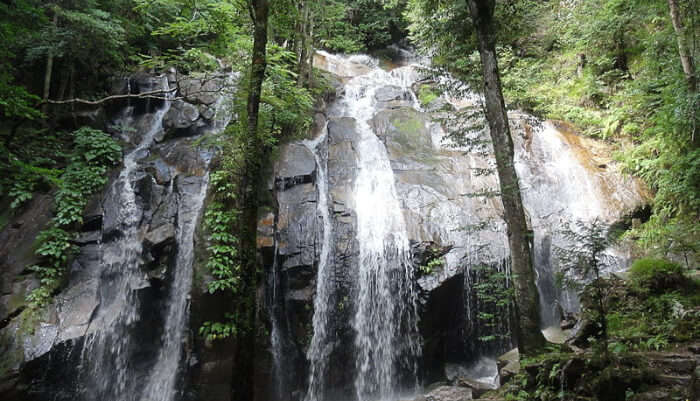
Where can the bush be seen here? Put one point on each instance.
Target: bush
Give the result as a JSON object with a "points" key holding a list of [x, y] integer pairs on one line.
{"points": [[657, 274]]}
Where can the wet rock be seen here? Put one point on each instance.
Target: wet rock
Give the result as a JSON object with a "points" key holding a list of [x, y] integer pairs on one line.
{"points": [[160, 171], [41, 341], [389, 92], [296, 166], [266, 231], [478, 388], [180, 115], [206, 112], [184, 157], [447, 393], [75, 307], [88, 237], [181, 120], [203, 90], [439, 104], [160, 235], [508, 365]]}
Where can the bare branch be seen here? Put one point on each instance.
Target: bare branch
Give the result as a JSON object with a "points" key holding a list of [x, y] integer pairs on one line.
{"points": [[143, 95]]}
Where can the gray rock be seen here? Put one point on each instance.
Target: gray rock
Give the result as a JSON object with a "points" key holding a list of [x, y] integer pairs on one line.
{"points": [[388, 93], [206, 112], [180, 115], [41, 342], [295, 166], [75, 307], [448, 393], [508, 365], [160, 235], [203, 90]]}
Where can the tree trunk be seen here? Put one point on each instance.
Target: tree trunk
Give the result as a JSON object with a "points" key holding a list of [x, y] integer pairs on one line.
{"points": [[528, 332], [253, 156], [49, 71], [687, 61], [303, 33]]}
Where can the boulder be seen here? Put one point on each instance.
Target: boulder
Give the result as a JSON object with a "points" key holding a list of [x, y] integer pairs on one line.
{"points": [[447, 393], [478, 388], [161, 235], [204, 90], [508, 365], [180, 115]]}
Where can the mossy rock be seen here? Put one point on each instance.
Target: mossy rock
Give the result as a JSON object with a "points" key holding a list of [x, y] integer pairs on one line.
{"points": [[657, 275]]}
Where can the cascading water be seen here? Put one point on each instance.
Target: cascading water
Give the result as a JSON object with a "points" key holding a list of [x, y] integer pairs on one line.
{"points": [[386, 304], [387, 344], [108, 352], [320, 347], [161, 384], [393, 186], [138, 350]]}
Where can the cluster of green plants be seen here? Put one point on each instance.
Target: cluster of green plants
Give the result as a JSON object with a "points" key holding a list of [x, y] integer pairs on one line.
{"points": [[426, 94], [559, 374], [94, 153], [432, 264], [657, 307], [495, 295]]}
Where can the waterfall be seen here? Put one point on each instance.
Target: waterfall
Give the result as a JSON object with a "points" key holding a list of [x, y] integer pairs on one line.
{"points": [[107, 353], [135, 346], [161, 384], [320, 347], [386, 299], [387, 343]]}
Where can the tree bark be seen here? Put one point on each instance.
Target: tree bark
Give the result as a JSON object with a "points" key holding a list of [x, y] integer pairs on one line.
{"points": [[528, 332], [243, 387], [687, 61], [49, 71]]}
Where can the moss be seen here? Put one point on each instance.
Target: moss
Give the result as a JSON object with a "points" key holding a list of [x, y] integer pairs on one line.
{"points": [[410, 130], [12, 355], [426, 94], [657, 274]]}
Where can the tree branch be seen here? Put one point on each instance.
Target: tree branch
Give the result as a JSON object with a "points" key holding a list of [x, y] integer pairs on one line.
{"points": [[143, 95]]}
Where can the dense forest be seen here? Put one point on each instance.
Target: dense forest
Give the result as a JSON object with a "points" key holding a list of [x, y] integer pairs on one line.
{"points": [[75, 75]]}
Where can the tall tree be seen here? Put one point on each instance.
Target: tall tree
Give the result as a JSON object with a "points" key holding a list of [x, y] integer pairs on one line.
{"points": [[259, 10], [527, 299], [253, 146], [686, 55]]}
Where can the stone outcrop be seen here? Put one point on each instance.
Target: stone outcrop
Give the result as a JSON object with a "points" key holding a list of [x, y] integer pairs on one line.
{"points": [[47, 356], [446, 196]]}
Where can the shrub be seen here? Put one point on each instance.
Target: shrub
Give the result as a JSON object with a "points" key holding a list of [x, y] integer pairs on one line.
{"points": [[657, 274]]}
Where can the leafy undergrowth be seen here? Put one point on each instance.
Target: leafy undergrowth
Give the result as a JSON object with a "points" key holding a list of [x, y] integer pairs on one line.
{"points": [[653, 316]]}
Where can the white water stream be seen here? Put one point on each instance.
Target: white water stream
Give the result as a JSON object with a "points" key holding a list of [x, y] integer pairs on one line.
{"points": [[387, 343]]}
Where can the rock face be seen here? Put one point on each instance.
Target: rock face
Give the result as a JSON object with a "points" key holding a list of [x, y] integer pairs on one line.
{"points": [[118, 330], [451, 219], [447, 393]]}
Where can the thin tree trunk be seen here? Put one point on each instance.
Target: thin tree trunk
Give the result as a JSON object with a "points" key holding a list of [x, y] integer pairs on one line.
{"points": [[304, 38], [49, 71], [253, 156], [528, 332], [687, 61]]}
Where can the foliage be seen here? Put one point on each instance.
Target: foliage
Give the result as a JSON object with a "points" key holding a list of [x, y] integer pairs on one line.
{"points": [[218, 330], [94, 152], [495, 295], [426, 94], [431, 265], [656, 274], [586, 258]]}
